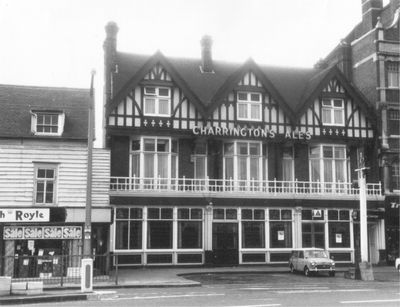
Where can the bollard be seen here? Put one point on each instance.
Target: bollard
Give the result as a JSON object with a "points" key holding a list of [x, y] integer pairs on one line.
{"points": [[87, 275]]}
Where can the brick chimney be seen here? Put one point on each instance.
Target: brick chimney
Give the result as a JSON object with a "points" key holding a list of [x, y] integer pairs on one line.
{"points": [[110, 49], [206, 56], [371, 10]]}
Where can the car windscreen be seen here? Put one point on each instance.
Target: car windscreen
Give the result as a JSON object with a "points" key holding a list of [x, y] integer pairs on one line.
{"points": [[316, 254]]}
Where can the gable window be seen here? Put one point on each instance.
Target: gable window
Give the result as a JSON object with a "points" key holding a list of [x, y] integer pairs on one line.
{"points": [[328, 164], [242, 163], [333, 112], [248, 106], [45, 184], [154, 159], [393, 74], [157, 101], [47, 123]]}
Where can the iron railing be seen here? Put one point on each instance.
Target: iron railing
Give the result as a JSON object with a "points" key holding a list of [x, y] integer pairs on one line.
{"points": [[53, 270], [270, 187]]}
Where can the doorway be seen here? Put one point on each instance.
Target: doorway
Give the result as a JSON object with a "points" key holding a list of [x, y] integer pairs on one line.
{"points": [[225, 244]]}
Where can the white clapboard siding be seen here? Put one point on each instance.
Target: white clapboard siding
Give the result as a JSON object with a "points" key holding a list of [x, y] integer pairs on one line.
{"points": [[17, 164]]}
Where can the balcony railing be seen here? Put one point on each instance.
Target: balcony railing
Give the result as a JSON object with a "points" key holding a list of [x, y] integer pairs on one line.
{"points": [[245, 187]]}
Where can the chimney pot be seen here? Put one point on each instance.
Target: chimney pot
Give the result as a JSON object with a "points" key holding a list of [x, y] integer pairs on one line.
{"points": [[206, 54]]}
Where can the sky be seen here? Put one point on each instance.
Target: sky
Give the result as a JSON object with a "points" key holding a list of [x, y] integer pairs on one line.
{"points": [[58, 43]]}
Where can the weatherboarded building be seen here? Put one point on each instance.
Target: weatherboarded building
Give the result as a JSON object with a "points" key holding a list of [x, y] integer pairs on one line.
{"points": [[43, 167], [221, 163]]}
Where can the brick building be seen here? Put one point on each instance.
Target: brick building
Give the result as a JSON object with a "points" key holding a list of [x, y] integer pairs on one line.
{"points": [[222, 163], [369, 56]]}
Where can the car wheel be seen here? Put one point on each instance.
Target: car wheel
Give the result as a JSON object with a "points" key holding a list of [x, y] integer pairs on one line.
{"points": [[291, 268], [398, 268], [307, 272], [332, 274]]}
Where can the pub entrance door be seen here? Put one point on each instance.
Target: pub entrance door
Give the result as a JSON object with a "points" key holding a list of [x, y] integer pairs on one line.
{"points": [[225, 244]]}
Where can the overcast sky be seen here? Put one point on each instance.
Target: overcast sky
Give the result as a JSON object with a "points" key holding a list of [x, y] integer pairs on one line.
{"points": [[58, 43]]}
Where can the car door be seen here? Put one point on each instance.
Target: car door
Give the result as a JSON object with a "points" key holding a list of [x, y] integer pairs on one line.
{"points": [[300, 261]]}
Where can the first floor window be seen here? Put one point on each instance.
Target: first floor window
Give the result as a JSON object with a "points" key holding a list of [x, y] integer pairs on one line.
{"points": [[328, 163], [154, 158], [396, 175], [393, 74], [128, 228], [287, 164], [159, 228], [45, 182], [243, 162], [200, 161], [190, 230]]}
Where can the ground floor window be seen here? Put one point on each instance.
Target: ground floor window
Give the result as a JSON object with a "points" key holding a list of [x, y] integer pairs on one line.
{"points": [[280, 228], [339, 234], [253, 235], [190, 230], [128, 228]]}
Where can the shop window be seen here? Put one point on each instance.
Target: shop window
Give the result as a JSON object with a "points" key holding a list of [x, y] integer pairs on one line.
{"points": [[393, 74], [249, 106], [225, 214], [190, 228], [339, 228], [159, 228], [253, 228], [312, 214], [243, 163], [47, 123], [332, 112], [328, 165], [128, 228], [157, 101], [154, 158], [45, 183], [280, 228]]}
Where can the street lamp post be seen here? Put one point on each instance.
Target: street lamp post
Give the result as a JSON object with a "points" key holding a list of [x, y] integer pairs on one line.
{"points": [[87, 261], [364, 267]]}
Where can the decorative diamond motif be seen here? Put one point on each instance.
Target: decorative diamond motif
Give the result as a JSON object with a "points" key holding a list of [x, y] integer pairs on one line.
{"points": [[145, 122], [160, 123], [168, 124], [153, 123]]}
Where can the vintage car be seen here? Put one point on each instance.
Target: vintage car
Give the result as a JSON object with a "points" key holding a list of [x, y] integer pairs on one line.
{"points": [[397, 264], [311, 260]]}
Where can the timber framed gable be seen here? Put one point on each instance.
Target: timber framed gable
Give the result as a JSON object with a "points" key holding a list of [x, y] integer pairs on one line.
{"points": [[334, 109], [155, 97]]}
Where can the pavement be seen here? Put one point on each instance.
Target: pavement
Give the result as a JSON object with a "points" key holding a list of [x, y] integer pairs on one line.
{"points": [[151, 277]]}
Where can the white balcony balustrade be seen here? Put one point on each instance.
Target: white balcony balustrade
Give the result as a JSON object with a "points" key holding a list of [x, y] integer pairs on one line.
{"points": [[239, 188]]}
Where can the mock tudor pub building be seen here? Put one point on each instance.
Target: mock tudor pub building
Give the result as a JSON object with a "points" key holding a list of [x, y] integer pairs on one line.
{"points": [[217, 163]]}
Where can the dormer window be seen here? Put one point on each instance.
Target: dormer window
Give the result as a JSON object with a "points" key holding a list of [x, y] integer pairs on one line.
{"points": [[157, 101], [47, 122], [248, 106], [333, 112]]}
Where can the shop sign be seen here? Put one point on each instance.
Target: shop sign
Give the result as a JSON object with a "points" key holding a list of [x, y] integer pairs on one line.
{"points": [[42, 232], [24, 215], [317, 213], [249, 132]]}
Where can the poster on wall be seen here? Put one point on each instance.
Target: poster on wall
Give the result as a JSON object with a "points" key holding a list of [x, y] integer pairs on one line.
{"points": [[281, 235], [42, 232], [338, 238]]}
